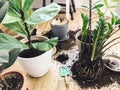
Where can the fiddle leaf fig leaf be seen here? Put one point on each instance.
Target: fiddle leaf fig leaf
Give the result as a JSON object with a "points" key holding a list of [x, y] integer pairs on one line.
{"points": [[14, 8], [9, 19], [4, 56], [18, 28], [43, 14], [12, 57], [46, 45], [3, 9], [8, 42], [26, 4]]}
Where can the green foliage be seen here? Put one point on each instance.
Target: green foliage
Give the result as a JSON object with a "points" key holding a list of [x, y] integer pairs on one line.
{"points": [[12, 57], [7, 58], [4, 57], [8, 42], [43, 14], [115, 0], [97, 6], [3, 9], [117, 22], [15, 22], [106, 3], [47, 44], [84, 27], [102, 31], [21, 19]]}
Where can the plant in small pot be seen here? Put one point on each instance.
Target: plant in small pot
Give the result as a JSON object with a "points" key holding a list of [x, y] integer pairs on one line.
{"points": [[59, 27], [36, 51], [92, 43]]}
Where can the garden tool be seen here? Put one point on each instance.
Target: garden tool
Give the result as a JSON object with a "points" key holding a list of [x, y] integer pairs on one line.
{"points": [[64, 72]]}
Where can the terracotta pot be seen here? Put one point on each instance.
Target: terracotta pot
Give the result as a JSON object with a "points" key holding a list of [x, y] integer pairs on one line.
{"points": [[24, 86], [39, 65]]}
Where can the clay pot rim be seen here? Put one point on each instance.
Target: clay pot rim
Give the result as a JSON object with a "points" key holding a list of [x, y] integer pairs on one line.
{"points": [[25, 86]]}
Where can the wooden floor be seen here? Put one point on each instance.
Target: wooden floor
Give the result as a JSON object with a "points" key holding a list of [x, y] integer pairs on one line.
{"points": [[52, 80]]}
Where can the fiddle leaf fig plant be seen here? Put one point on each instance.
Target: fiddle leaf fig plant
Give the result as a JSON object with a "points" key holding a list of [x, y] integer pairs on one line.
{"points": [[22, 19]]}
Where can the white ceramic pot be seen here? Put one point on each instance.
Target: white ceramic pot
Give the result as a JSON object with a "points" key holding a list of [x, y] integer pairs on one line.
{"points": [[39, 65]]}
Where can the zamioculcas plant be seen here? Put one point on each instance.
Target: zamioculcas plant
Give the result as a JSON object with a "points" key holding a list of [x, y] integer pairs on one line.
{"points": [[93, 44]]}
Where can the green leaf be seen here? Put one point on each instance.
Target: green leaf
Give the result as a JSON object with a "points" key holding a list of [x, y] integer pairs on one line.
{"points": [[27, 4], [43, 14], [9, 19], [17, 27], [8, 42], [106, 3], [46, 45], [4, 56], [115, 0], [117, 22], [12, 57], [3, 9], [113, 18], [85, 6], [14, 8], [85, 19], [98, 6], [53, 42]]}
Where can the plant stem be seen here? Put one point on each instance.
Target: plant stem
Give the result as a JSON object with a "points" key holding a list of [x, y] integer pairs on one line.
{"points": [[95, 45], [26, 28], [90, 18]]}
